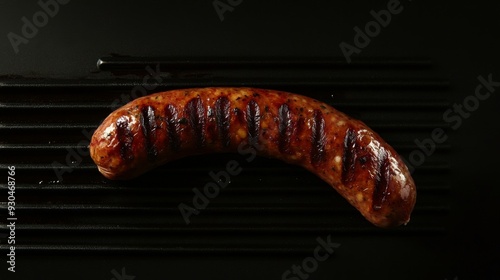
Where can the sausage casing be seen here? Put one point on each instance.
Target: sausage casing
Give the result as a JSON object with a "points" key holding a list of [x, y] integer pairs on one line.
{"points": [[342, 151]]}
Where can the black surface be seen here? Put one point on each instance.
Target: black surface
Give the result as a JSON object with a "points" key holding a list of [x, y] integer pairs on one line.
{"points": [[84, 227]]}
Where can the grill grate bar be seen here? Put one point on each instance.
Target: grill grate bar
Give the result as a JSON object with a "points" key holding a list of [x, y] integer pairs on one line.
{"points": [[412, 104], [24, 147], [227, 209], [223, 229], [170, 189], [93, 126], [285, 250], [121, 63], [43, 147], [27, 166], [52, 106], [351, 83], [438, 165], [48, 126]]}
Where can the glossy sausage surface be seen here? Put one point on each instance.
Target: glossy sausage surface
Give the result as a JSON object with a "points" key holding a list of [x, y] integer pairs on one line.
{"points": [[342, 151]]}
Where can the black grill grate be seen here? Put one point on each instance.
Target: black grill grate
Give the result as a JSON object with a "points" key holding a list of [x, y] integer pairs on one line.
{"points": [[270, 207]]}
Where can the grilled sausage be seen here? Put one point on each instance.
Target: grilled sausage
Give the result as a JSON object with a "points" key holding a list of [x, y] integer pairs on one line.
{"points": [[344, 152]]}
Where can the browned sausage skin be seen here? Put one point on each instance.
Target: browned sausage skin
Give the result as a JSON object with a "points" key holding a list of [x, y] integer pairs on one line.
{"points": [[344, 152]]}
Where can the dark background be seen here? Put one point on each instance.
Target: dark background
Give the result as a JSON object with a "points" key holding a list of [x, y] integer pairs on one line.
{"points": [[461, 40]]}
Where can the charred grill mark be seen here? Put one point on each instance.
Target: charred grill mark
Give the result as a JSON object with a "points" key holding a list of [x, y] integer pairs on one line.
{"points": [[318, 140], [173, 127], [125, 138], [196, 116], [285, 128], [382, 177], [222, 115], [253, 121], [349, 156], [148, 125]]}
